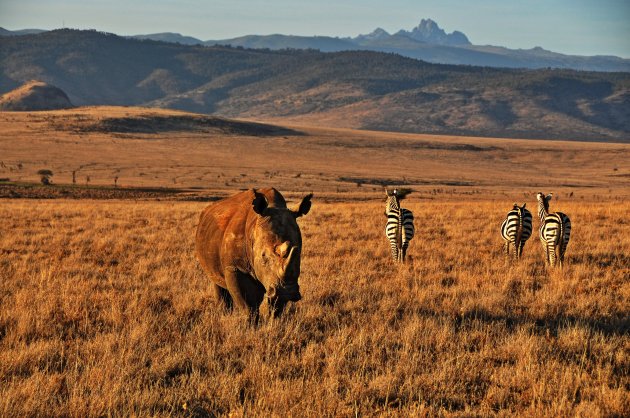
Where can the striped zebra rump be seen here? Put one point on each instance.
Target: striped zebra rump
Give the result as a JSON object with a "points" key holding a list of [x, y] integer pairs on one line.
{"points": [[391, 232], [516, 230], [407, 230], [555, 232], [399, 231], [399, 228]]}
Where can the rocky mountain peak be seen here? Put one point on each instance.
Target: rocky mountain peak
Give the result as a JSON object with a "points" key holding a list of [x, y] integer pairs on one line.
{"points": [[428, 31], [376, 35]]}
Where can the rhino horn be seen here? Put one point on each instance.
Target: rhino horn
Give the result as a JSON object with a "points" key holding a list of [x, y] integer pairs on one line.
{"points": [[290, 256]]}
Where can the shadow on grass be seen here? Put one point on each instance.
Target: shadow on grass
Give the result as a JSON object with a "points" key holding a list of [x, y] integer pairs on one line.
{"points": [[545, 325]]}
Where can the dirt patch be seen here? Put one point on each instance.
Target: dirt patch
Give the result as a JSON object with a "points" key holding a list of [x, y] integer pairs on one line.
{"points": [[156, 124], [34, 191], [404, 181], [417, 145]]}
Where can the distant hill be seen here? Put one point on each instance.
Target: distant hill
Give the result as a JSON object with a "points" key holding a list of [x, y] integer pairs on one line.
{"points": [[35, 95], [6, 32], [276, 42], [170, 37], [359, 89]]}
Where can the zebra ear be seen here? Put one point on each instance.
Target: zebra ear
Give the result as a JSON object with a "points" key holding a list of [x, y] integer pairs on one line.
{"points": [[524, 204], [549, 196]]}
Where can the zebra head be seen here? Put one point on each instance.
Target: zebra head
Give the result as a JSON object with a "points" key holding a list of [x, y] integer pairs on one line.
{"points": [[543, 203], [520, 209], [392, 200]]}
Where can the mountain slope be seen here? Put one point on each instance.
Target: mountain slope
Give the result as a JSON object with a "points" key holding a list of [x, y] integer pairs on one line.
{"points": [[361, 89]]}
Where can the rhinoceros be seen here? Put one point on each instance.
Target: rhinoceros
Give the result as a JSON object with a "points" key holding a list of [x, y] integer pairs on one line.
{"points": [[249, 244]]}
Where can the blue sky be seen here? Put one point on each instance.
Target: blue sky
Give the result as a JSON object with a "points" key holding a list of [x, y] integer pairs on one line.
{"points": [[582, 27]]}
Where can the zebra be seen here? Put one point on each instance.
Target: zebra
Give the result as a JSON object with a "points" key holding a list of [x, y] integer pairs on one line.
{"points": [[516, 230], [399, 229], [555, 230]]}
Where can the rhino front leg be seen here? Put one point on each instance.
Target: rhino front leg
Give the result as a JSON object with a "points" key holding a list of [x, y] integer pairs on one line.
{"points": [[232, 284], [222, 296]]}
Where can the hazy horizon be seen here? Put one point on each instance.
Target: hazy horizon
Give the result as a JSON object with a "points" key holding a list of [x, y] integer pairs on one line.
{"points": [[577, 27]]}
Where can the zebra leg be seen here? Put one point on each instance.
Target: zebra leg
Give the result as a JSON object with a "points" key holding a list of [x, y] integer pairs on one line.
{"points": [[562, 249], [394, 251], [404, 253], [506, 248], [552, 255], [546, 252], [515, 244]]}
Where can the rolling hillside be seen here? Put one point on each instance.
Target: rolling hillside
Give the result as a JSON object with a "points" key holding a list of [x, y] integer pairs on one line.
{"points": [[356, 89]]}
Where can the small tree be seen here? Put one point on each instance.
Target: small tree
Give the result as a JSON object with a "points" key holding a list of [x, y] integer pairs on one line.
{"points": [[45, 176]]}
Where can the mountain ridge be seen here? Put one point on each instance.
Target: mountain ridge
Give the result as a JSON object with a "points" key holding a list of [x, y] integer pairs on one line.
{"points": [[355, 89], [427, 42]]}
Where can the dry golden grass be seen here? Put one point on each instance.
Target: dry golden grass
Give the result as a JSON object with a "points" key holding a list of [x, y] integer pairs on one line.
{"points": [[105, 311]]}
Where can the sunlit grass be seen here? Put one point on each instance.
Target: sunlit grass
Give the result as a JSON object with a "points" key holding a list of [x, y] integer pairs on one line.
{"points": [[105, 311]]}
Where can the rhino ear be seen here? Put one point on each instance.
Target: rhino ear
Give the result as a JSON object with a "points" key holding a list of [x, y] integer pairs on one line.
{"points": [[305, 206], [259, 203]]}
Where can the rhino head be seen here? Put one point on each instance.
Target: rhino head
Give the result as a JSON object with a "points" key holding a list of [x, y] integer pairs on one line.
{"points": [[276, 249]]}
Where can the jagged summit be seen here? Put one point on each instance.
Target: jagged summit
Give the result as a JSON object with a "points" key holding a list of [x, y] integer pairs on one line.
{"points": [[376, 35], [428, 31]]}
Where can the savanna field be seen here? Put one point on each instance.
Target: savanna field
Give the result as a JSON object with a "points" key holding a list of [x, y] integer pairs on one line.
{"points": [[106, 312]]}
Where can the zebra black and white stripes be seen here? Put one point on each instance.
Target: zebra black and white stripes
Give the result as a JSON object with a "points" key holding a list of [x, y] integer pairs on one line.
{"points": [[399, 228], [555, 231], [516, 230]]}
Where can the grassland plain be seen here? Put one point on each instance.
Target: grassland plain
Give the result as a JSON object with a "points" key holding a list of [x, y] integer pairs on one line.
{"points": [[163, 148], [105, 312]]}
